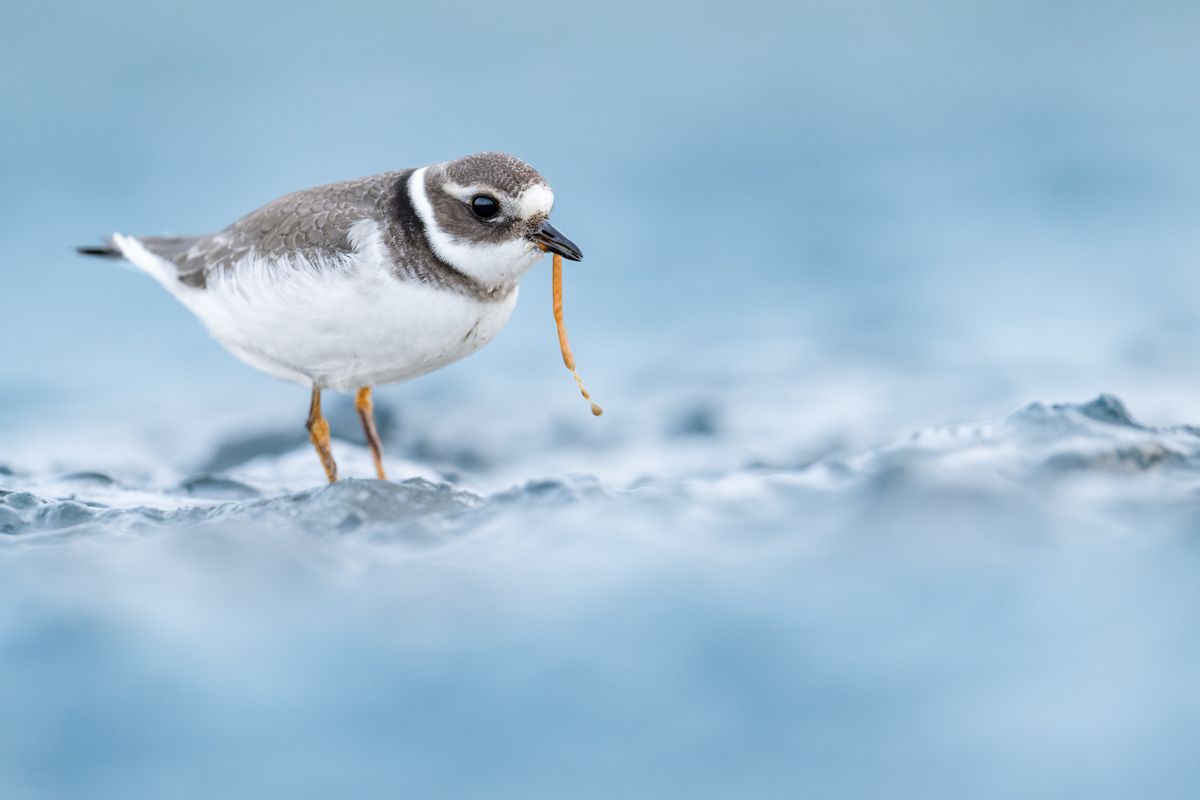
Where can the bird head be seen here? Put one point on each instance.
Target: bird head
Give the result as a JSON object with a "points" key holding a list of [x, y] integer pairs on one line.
{"points": [[488, 216]]}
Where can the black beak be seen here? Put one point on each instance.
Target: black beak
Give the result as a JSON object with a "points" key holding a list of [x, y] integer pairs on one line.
{"points": [[550, 239]]}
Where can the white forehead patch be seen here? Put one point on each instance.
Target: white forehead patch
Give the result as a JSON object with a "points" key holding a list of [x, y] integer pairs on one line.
{"points": [[537, 199]]}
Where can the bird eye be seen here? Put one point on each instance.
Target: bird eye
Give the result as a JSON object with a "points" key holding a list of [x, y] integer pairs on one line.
{"points": [[484, 207]]}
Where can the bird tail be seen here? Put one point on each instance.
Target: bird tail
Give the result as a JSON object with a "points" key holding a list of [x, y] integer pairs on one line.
{"points": [[156, 256], [106, 250]]}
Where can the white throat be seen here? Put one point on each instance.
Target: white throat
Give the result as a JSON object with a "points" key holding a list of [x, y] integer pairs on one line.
{"points": [[493, 265]]}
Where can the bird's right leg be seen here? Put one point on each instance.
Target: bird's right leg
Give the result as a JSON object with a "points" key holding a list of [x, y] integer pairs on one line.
{"points": [[318, 434], [366, 412]]}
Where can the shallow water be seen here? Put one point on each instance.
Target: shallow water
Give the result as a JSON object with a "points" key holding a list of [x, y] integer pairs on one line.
{"points": [[988, 609]]}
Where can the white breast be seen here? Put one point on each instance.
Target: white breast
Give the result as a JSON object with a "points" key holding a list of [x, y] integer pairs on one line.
{"points": [[338, 325]]}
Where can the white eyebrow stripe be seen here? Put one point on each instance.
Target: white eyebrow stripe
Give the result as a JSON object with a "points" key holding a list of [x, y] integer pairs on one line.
{"points": [[536, 200], [465, 193]]}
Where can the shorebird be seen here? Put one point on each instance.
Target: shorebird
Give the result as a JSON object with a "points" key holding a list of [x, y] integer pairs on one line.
{"points": [[365, 282]]}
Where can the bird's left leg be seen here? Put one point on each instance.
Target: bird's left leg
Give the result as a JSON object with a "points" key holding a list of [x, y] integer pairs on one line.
{"points": [[366, 412], [318, 434]]}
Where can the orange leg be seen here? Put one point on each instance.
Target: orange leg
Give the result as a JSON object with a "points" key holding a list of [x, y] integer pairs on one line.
{"points": [[366, 412], [318, 434]]}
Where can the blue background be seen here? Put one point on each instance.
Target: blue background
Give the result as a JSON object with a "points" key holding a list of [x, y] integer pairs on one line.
{"points": [[992, 187]]}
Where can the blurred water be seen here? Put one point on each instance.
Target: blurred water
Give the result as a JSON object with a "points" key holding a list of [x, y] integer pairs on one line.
{"points": [[817, 234]]}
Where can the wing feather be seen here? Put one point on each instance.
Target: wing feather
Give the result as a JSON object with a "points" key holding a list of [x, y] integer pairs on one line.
{"points": [[313, 225]]}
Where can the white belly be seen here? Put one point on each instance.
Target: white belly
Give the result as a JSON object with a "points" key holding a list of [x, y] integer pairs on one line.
{"points": [[346, 331], [339, 327]]}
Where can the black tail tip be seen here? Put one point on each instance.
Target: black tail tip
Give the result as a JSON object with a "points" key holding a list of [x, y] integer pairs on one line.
{"points": [[101, 250]]}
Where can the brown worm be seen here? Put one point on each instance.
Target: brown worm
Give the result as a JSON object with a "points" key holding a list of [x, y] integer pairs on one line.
{"points": [[563, 345]]}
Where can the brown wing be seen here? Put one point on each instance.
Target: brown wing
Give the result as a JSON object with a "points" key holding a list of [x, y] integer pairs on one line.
{"points": [[313, 223]]}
